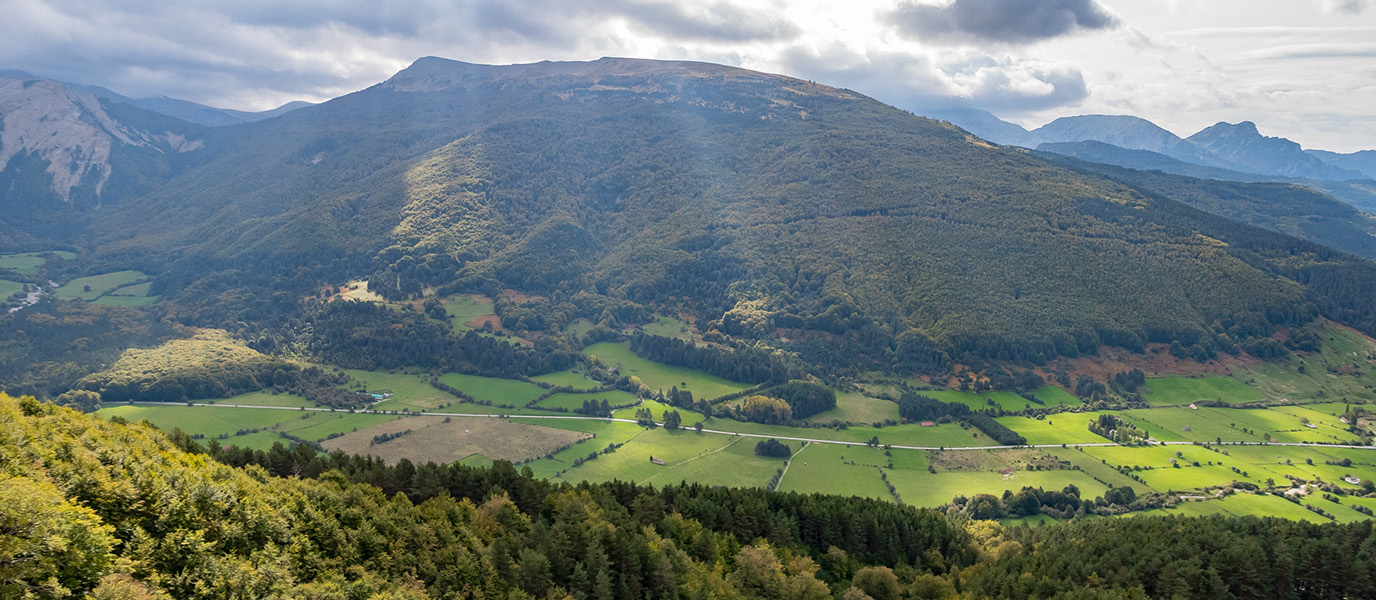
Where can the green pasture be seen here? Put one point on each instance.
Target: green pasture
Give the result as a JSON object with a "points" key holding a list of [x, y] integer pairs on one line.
{"points": [[824, 469], [733, 465], [1101, 472], [575, 401], [949, 435], [579, 328], [264, 399], [1049, 395], [631, 462], [498, 391], [99, 284], [604, 432], [209, 421], [1339, 370], [263, 440], [1177, 391], [9, 288], [669, 327], [921, 488], [321, 424], [465, 308], [1205, 424], [572, 378], [1063, 428], [855, 407], [409, 391], [663, 377], [27, 263], [476, 460], [658, 409]]}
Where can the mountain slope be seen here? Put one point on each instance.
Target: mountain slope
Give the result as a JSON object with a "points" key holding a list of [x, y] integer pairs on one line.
{"points": [[1363, 161], [1243, 145], [1287, 208], [63, 150], [761, 202], [1133, 133]]}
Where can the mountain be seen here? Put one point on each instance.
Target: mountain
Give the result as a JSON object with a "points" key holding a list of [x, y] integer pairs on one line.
{"points": [[1132, 133], [769, 207], [63, 149], [1363, 161], [1242, 144], [985, 125], [1291, 208]]}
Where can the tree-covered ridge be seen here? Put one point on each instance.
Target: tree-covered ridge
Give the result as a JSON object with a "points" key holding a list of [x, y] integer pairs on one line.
{"points": [[768, 207], [210, 364]]}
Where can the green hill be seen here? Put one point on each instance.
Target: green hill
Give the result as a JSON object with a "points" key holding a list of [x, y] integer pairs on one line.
{"points": [[767, 206]]}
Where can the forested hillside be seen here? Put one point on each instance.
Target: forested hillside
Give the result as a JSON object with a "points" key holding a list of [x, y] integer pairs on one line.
{"points": [[767, 207], [157, 522]]}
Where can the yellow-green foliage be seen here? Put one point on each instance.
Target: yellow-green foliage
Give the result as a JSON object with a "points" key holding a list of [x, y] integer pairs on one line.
{"points": [[212, 364], [763, 409]]}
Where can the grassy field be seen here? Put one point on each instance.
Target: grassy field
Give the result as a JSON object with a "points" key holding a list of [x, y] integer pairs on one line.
{"points": [[669, 327], [1064, 428], [263, 399], [1050, 396], [663, 377], [632, 461], [445, 440], [99, 285], [575, 401], [855, 407], [733, 465], [408, 390], [603, 432], [921, 488], [826, 469], [1341, 369], [1177, 391], [205, 420], [27, 263], [495, 390], [658, 409], [8, 288], [950, 435], [572, 378], [465, 309]]}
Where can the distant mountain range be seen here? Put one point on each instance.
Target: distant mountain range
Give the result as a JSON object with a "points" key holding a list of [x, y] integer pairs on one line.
{"points": [[1237, 148]]}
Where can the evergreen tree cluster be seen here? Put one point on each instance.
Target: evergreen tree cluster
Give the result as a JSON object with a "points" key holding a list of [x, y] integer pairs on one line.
{"points": [[805, 398], [773, 448], [751, 365]]}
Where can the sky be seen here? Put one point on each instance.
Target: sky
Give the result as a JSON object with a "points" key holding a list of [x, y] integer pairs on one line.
{"points": [[1301, 69]]}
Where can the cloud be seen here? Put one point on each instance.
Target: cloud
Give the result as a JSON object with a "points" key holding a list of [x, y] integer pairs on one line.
{"points": [[999, 21], [1351, 7], [917, 81]]}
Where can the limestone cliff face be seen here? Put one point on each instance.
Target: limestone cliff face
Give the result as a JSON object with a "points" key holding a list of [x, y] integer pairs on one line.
{"points": [[70, 130]]}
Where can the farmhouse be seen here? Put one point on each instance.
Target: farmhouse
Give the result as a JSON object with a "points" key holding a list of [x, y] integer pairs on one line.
{"points": [[928, 424], [657, 461], [1353, 480]]}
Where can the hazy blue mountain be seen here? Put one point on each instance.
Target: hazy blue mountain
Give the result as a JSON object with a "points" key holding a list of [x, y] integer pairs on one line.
{"points": [[1243, 145], [1363, 161], [985, 125], [1124, 131], [62, 148], [192, 112], [1145, 160]]}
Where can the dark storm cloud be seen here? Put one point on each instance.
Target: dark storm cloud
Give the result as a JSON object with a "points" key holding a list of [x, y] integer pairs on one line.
{"points": [[1000, 21]]}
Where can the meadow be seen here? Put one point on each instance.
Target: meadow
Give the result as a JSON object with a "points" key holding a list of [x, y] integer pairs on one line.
{"points": [[466, 309], [828, 468], [1063, 428], [450, 439], [1177, 391], [668, 327], [573, 378], [572, 401], [855, 407], [9, 288], [660, 376], [498, 391], [94, 286], [27, 263]]}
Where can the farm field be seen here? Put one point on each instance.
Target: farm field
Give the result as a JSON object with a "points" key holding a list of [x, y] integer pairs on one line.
{"points": [[209, 421], [658, 409], [572, 378], [408, 391], [263, 399], [663, 377], [575, 401], [8, 288], [465, 309], [734, 465], [631, 462], [902, 435], [1050, 396], [669, 327], [1063, 428], [27, 263], [498, 391], [1179, 391], [855, 407], [824, 469], [446, 439], [99, 284], [1329, 373], [1100, 471], [603, 432], [921, 488]]}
